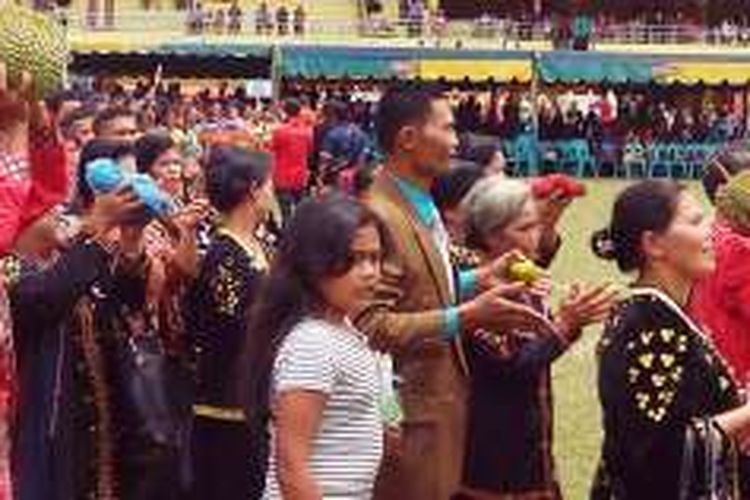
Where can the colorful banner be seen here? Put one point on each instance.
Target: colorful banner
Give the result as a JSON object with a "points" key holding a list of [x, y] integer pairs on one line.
{"points": [[433, 63], [405, 63], [456, 69], [710, 73], [572, 67]]}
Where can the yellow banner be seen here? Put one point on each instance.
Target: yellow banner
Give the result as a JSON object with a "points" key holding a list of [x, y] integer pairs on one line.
{"points": [[482, 69], [709, 72]]}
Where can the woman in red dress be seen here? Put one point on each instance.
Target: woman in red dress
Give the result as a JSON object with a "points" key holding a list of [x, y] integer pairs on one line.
{"points": [[721, 302]]}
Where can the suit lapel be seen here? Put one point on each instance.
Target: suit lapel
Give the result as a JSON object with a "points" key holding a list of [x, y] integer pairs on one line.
{"points": [[436, 264], [427, 244]]}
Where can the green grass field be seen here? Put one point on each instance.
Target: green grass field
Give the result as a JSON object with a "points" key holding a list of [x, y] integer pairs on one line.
{"points": [[577, 417]]}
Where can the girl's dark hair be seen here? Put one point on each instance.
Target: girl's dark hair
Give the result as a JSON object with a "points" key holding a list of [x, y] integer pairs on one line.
{"points": [[232, 173], [647, 206], [94, 150], [316, 244]]}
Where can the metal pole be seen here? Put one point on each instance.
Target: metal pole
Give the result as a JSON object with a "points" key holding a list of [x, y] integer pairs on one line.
{"points": [[535, 76], [276, 70]]}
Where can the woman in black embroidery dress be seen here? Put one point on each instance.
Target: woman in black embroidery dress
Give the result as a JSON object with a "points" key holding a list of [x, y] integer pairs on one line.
{"points": [[669, 401], [228, 458]]}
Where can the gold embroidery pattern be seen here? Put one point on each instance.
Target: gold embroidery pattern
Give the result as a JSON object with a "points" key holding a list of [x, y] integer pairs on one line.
{"points": [[10, 270], [463, 257], [655, 370], [226, 288]]}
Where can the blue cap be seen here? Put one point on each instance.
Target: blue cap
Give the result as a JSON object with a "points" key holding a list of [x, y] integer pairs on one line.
{"points": [[104, 175], [155, 200]]}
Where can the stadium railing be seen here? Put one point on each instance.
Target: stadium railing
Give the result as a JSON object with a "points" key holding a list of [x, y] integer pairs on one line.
{"points": [[507, 33]]}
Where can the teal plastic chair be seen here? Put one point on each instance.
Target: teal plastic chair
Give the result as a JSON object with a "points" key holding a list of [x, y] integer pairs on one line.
{"points": [[549, 157], [678, 165], [635, 158], [577, 158], [526, 155], [702, 155], [509, 150], [659, 160]]}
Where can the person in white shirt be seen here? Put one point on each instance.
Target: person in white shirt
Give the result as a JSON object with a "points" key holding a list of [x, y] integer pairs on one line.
{"points": [[308, 367]]}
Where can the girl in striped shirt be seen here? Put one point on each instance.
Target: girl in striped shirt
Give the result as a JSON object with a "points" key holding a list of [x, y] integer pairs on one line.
{"points": [[309, 366]]}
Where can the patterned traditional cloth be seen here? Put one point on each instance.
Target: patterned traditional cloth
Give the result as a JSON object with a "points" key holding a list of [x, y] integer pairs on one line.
{"points": [[15, 185], [30, 185], [161, 284], [14, 167], [7, 391]]}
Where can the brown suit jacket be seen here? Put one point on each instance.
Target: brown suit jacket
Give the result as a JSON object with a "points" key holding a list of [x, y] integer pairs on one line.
{"points": [[407, 320]]}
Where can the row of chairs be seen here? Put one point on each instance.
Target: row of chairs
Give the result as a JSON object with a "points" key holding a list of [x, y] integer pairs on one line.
{"points": [[527, 156]]}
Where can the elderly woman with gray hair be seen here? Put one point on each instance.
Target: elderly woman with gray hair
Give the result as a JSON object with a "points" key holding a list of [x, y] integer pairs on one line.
{"points": [[509, 449]]}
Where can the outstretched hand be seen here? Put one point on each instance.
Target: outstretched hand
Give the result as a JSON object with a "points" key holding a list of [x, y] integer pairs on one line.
{"points": [[501, 309], [584, 305]]}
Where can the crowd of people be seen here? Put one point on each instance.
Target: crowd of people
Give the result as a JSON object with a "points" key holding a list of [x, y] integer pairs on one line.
{"points": [[194, 308], [232, 19]]}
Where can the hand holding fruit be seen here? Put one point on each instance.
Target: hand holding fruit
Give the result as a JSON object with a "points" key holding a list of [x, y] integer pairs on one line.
{"points": [[510, 267], [525, 271]]}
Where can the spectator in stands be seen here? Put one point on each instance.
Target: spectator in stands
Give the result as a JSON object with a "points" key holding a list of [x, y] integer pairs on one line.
{"points": [[291, 146], [263, 21], [439, 24], [235, 18], [299, 19], [116, 124], [634, 152], [416, 18], [196, 19], [219, 20], [282, 20]]}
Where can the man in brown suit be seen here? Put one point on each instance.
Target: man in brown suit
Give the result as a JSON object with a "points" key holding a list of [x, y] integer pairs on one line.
{"points": [[419, 316]]}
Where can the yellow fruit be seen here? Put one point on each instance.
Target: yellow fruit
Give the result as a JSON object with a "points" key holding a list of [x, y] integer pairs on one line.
{"points": [[525, 271], [33, 42]]}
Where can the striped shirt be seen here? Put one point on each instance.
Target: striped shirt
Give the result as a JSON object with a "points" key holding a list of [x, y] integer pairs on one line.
{"points": [[336, 361]]}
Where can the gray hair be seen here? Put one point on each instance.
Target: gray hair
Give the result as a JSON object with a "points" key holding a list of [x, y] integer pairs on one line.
{"points": [[492, 204]]}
